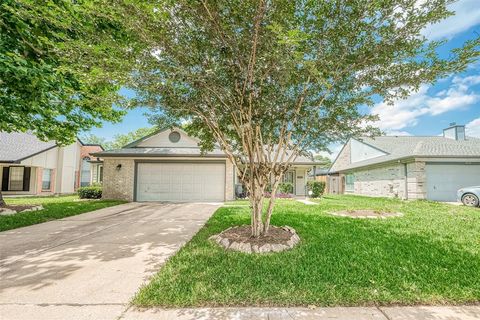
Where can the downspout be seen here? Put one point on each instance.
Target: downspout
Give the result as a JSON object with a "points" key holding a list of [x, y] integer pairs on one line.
{"points": [[406, 181]]}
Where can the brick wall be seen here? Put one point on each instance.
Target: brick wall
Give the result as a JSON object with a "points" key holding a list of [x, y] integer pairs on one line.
{"points": [[229, 181], [343, 158], [118, 184], [389, 181]]}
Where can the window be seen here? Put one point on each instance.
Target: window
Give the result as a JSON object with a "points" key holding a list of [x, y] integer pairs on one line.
{"points": [[85, 173], [288, 177], [47, 180], [349, 182], [16, 179]]}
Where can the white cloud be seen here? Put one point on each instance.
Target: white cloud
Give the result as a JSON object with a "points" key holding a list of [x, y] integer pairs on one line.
{"points": [[467, 14], [397, 133], [473, 128], [405, 113]]}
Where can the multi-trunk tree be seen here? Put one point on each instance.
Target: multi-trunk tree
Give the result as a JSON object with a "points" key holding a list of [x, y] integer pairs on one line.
{"points": [[270, 80]]}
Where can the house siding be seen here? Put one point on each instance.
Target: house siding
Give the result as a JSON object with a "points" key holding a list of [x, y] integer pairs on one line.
{"points": [[389, 181]]}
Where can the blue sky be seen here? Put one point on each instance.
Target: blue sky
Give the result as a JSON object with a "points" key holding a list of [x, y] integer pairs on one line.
{"points": [[427, 112]]}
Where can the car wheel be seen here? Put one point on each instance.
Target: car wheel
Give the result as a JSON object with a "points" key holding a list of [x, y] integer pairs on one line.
{"points": [[470, 200]]}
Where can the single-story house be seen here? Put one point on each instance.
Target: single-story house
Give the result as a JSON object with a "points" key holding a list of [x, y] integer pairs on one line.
{"points": [[169, 166], [409, 167], [29, 166]]}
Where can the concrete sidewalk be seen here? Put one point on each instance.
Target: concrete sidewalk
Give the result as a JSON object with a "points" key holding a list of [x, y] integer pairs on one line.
{"points": [[340, 313]]}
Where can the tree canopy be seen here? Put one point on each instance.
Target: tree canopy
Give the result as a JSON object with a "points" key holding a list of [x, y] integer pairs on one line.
{"points": [[63, 62], [119, 140], [324, 161], [268, 80]]}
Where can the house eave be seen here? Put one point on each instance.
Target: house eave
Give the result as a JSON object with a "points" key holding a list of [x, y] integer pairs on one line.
{"points": [[407, 159], [149, 155]]}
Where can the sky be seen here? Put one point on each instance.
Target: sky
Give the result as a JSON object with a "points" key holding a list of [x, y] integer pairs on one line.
{"points": [[426, 112]]}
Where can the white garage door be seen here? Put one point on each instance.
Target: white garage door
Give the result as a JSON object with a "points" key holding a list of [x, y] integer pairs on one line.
{"points": [[184, 182], [443, 180]]}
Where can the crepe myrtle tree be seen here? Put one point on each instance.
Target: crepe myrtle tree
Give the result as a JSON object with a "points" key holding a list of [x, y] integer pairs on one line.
{"points": [[270, 80], [63, 62]]}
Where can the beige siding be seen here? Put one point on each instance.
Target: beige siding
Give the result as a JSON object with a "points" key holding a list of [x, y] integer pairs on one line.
{"points": [[161, 140]]}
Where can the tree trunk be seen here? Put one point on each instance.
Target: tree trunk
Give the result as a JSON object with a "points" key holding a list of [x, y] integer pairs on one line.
{"points": [[256, 202], [2, 202], [271, 204]]}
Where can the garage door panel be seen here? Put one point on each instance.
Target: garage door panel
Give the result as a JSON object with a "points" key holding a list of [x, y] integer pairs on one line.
{"points": [[180, 182], [443, 180]]}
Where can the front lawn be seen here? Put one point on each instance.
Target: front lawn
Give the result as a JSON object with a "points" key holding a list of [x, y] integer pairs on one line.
{"points": [[431, 255], [53, 208]]}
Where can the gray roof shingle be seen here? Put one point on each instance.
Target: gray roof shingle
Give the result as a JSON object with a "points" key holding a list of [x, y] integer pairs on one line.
{"points": [[400, 147], [16, 146]]}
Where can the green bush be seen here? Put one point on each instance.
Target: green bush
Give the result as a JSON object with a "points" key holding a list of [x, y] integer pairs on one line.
{"points": [[317, 188], [91, 192], [285, 187]]}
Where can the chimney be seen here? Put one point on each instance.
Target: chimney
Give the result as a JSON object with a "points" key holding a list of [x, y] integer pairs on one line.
{"points": [[455, 132]]}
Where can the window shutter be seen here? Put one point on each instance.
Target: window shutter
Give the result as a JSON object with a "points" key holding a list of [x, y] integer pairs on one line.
{"points": [[26, 178], [5, 176]]}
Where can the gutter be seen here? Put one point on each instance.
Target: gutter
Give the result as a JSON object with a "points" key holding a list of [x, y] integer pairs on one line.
{"points": [[147, 155], [402, 160]]}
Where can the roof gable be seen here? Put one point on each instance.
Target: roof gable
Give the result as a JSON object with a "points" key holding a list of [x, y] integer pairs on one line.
{"points": [[402, 147], [360, 151], [17, 146], [163, 139]]}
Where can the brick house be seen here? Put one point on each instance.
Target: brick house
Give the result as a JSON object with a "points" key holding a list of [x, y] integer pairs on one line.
{"points": [[169, 166], [409, 167]]}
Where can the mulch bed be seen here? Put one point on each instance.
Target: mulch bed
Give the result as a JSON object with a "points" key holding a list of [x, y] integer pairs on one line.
{"points": [[366, 214], [239, 238], [242, 234]]}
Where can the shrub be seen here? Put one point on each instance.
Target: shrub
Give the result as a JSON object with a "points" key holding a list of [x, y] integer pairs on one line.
{"points": [[91, 192], [285, 187], [317, 188]]}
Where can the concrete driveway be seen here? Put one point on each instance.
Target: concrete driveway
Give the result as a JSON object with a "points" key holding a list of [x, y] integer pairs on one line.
{"points": [[89, 266]]}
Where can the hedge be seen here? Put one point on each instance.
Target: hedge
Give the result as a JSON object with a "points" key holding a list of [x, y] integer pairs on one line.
{"points": [[90, 192]]}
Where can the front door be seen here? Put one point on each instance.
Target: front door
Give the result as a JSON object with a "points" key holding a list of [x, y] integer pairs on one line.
{"points": [[300, 182]]}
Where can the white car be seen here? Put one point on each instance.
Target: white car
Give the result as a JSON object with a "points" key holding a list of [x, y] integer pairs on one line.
{"points": [[469, 196]]}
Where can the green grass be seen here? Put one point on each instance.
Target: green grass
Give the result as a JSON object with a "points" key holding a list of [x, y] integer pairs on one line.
{"points": [[53, 208], [431, 255]]}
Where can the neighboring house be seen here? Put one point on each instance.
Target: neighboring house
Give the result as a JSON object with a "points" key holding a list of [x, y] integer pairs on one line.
{"points": [[168, 166], [29, 166], [409, 167]]}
